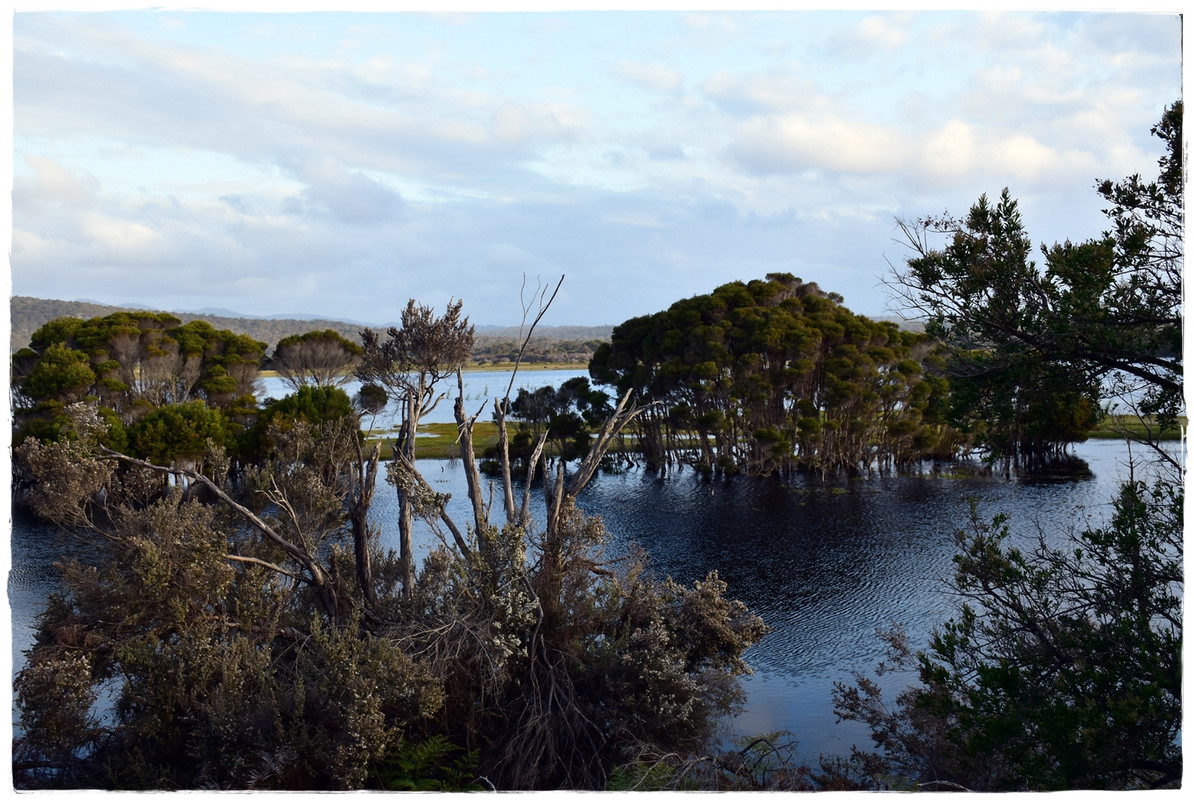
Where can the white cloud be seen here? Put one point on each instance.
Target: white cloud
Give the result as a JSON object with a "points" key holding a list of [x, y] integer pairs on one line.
{"points": [[120, 239], [52, 184], [879, 32], [794, 143], [656, 77], [784, 88], [950, 153]]}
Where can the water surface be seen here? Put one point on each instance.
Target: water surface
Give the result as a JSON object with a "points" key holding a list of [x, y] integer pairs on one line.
{"points": [[824, 563]]}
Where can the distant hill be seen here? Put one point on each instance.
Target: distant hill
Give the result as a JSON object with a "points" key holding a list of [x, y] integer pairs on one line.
{"points": [[30, 313]]}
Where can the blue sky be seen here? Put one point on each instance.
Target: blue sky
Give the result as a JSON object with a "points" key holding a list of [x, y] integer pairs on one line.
{"points": [[341, 163]]}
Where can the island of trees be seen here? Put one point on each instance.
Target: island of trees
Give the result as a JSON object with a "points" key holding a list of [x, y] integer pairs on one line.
{"points": [[234, 622]]}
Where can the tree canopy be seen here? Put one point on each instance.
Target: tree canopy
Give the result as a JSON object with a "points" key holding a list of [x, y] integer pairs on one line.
{"points": [[776, 374], [316, 358], [132, 363]]}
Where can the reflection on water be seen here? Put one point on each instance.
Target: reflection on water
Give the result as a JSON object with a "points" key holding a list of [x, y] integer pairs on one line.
{"points": [[824, 563]]}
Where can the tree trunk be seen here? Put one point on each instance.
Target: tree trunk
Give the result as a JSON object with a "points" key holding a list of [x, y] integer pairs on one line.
{"points": [[366, 481]]}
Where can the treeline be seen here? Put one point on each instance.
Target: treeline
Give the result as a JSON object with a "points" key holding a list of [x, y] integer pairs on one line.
{"points": [[497, 345], [30, 313], [499, 350]]}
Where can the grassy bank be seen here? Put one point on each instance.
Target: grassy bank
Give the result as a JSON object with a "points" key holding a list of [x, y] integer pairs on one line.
{"points": [[438, 440], [1120, 425]]}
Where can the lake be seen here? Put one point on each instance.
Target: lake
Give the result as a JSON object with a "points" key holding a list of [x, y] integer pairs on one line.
{"points": [[481, 388], [824, 562]]}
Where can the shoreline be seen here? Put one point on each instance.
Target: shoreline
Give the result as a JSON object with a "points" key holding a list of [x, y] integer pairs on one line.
{"points": [[497, 367]]}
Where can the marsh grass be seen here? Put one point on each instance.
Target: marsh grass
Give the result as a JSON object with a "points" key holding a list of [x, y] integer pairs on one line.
{"points": [[1119, 426], [438, 440]]}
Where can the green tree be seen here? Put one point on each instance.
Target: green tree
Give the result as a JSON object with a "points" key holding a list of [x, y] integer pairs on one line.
{"points": [[566, 416], [1062, 669], [772, 375], [1102, 317], [61, 374], [178, 434], [132, 363], [311, 405], [316, 358], [1018, 381], [409, 366]]}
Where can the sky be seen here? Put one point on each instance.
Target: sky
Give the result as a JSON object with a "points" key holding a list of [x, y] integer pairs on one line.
{"points": [[339, 164]]}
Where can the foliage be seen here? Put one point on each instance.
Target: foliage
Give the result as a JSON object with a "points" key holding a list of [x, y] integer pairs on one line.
{"points": [[133, 364], [233, 645], [1063, 669], [761, 763], [770, 375], [562, 672], [182, 432], [567, 416], [310, 405], [242, 629], [429, 765], [316, 358]]}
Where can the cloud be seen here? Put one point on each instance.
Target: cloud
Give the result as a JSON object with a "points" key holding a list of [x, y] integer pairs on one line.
{"points": [[52, 185], [653, 76], [264, 173], [110, 83], [356, 198], [793, 143], [875, 35], [782, 89]]}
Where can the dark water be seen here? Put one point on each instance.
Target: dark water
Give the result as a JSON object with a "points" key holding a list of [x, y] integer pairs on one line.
{"points": [[824, 563], [827, 563]]}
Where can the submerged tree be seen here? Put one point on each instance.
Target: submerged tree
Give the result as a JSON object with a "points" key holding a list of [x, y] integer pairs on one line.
{"points": [[775, 374]]}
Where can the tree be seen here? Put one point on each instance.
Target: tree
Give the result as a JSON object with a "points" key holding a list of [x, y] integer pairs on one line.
{"points": [[1103, 316], [178, 434], [1062, 669], [409, 366], [771, 375], [316, 358], [567, 416], [132, 363]]}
